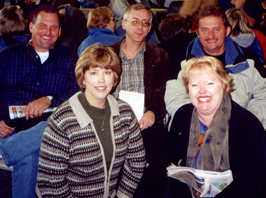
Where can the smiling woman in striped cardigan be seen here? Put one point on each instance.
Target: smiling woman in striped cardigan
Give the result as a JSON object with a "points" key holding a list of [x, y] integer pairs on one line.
{"points": [[92, 146]]}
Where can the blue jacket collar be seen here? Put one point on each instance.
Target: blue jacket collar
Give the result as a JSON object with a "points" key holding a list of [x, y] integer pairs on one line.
{"points": [[99, 30], [234, 55], [232, 51]]}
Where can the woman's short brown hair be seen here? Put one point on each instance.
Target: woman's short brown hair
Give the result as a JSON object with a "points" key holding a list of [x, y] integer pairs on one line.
{"points": [[212, 63], [12, 20], [99, 17], [97, 55]]}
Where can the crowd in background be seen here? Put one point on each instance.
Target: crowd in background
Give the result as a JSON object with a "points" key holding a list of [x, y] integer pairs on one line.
{"points": [[173, 36], [177, 17]]}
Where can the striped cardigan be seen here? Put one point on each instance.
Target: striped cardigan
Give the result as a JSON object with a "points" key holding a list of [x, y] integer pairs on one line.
{"points": [[72, 162]]}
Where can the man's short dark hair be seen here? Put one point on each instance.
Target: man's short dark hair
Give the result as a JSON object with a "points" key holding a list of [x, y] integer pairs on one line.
{"points": [[45, 8], [216, 11]]}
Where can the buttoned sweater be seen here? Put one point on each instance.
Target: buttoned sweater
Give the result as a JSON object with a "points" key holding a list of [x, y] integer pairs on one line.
{"points": [[72, 162]]}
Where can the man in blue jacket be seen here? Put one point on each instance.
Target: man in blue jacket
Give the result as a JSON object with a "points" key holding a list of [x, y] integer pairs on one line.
{"points": [[212, 40]]}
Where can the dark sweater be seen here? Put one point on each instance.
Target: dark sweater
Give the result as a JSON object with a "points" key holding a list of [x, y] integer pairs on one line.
{"points": [[155, 77], [247, 150]]}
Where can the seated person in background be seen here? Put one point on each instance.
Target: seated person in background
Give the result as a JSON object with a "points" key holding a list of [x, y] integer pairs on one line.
{"points": [[38, 75], [101, 26], [215, 133], [12, 27], [2, 3], [29, 5], [190, 7], [252, 9], [242, 34], [213, 40], [169, 3], [144, 67], [92, 145], [74, 29], [262, 24], [119, 7], [175, 31], [88, 3], [73, 3], [262, 41], [93, 3]]}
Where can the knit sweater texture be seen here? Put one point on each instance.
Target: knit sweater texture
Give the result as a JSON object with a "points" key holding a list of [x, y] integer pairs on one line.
{"points": [[72, 162]]}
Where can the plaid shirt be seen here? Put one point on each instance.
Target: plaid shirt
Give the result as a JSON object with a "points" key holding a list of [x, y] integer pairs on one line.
{"points": [[155, 66], [23, 78], [132, 77]]}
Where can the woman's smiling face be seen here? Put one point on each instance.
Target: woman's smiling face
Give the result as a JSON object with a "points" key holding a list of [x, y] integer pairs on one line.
{"points": [[206, 91], [98, 83]]}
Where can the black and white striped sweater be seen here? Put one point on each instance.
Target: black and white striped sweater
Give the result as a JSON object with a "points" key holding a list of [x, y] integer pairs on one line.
{"points": [[71, 162]]}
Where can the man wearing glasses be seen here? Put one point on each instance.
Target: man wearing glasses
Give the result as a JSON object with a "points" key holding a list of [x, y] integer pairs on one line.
{"points": [[144, 70]]}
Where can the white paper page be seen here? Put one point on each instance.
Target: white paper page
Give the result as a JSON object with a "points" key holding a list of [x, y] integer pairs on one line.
{"points": [[135, 100]]}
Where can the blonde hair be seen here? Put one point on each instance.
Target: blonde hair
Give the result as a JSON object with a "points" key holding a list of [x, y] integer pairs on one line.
{"points": [[207, 62], [99, 17], [238, 21], [97, 55]]}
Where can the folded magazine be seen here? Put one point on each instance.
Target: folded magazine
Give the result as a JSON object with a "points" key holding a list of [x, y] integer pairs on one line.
{"points": [[17, 111], [16, 117], [200, 182]]}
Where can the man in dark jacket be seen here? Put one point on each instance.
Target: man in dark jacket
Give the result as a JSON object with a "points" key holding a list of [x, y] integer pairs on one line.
{"points": [[144, 70], [38, 75]]}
